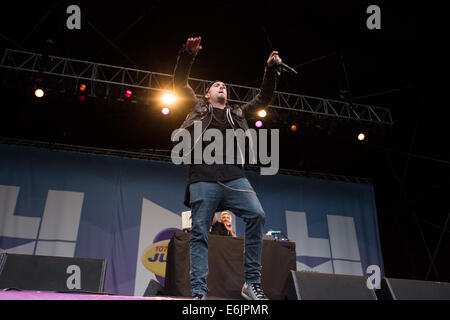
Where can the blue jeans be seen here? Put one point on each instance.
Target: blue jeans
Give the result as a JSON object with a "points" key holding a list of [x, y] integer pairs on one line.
{"points": [[239, 197]]}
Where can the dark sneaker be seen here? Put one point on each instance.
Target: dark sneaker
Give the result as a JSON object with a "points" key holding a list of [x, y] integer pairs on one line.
{"points": [[253, 291], [198, 296]]}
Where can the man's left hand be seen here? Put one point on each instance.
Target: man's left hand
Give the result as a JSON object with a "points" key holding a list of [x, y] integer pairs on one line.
{"points": [[275, 55]]}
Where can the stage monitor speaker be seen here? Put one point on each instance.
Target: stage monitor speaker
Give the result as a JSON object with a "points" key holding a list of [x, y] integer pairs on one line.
{"points": [[403, 289], [304, 285], [47, 273], [154, 288]]}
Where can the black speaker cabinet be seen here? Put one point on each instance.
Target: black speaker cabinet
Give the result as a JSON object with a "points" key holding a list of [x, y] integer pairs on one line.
{"points": [[46, 273], [303, 285], [403, 289], [154, 288]]}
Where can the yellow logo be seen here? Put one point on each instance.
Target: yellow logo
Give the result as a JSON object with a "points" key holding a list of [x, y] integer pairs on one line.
{"points": [[155, 256]]}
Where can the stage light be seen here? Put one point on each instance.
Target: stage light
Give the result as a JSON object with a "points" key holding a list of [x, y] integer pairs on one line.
{"points": [[168, 98], [343, 94], [258, 124], [82, 87], [361, 136], [262, 113], [165, 111], [39, 93], [293, 128], [128, 93]]}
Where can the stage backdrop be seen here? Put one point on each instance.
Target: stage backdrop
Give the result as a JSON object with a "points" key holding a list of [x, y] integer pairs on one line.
{"points": [[89, 206]]}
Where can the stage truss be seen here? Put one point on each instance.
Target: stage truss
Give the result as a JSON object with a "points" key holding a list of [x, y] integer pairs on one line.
{"points": [[148, 80]]}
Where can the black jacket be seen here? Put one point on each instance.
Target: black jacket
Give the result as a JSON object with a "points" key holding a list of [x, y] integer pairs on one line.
{"points": [[200, 107]]}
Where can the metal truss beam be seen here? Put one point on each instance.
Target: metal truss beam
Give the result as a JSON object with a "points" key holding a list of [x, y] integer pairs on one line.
{"points": [[108, 74]]}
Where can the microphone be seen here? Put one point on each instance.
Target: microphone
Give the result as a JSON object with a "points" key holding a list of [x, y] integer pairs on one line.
{"points": [[285, 67]]}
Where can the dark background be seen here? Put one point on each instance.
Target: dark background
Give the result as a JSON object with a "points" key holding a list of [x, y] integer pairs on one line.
{"points": [[400, 67]]}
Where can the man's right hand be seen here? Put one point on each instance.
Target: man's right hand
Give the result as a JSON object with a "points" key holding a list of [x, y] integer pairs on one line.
{"points": [[193, 45]]}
